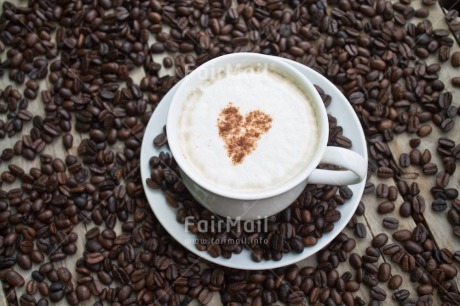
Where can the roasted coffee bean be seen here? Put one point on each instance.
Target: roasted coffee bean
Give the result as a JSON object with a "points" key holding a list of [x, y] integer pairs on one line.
{"points": [[400, 295], [455, 59], [423, 300], [14, 278], [424, 130], [83, 293], [56, 296], [402, 235], [64, 274], [384, 272], [391, 249], [378, 293], [32, 287], [439, 205], [409, 302], [214, 250], [457, 230], [405, 210], [418, 204], [360, 230], [395, 282], [442, 179], [355, 261], [447, 124], [361, 209], [385, 172], [380, 240], [296, 245], [446, 143], [413, 247], [455, 81], [451, 193], [382, 190], [415, 156], [404, 160], [205, 296], [456, 256], [385, 207], [392, 193], [414, 142], [452, 112], [27, 300], [419, 234], [160, 140], [422, 13], [67, 141], [24, 261], [449, 270], [390, 222], [444, 53], [425, 290], [352, 286], [430, 169]]}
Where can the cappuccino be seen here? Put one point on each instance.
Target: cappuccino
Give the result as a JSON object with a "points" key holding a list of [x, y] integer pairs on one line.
{"points": [[248, 128]]}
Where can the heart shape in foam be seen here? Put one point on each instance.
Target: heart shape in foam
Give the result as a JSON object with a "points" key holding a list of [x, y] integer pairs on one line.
{"points": [[240, 134]]}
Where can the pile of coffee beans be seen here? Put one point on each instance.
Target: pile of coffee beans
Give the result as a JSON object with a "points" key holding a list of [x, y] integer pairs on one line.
{"points": [[453, 22], [75, 61], [300, 225]]}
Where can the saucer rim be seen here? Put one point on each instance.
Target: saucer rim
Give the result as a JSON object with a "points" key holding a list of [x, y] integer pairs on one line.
{"points": [[243, 260]]}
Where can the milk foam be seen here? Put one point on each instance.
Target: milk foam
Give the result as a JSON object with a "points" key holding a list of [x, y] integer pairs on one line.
{"points": [[281, 153]]}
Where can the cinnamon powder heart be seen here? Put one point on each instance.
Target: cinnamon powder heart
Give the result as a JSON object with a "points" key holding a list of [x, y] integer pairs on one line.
{"points": [[240, 134]]}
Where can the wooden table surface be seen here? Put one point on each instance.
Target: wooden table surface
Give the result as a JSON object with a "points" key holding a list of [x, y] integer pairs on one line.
{"points": [[436, 222]]}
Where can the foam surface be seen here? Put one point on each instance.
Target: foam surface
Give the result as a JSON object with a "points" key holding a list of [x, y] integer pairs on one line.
{"points": [[281, 153]]}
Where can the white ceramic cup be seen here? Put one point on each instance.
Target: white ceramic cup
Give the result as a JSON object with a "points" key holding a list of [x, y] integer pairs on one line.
{"points": [[267, 202]]}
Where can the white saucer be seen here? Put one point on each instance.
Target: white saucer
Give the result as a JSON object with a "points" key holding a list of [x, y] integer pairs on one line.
{"points": [[339, 108]]}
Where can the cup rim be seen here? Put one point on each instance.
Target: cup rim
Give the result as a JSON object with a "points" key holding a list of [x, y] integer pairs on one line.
{"points": [[184, 165]]}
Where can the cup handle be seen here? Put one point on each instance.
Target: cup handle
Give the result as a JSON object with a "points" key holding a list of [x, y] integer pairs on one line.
{"points": [[354, 163]]}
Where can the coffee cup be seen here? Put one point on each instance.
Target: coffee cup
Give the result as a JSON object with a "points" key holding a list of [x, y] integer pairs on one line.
{"points": [[248, 132]]}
